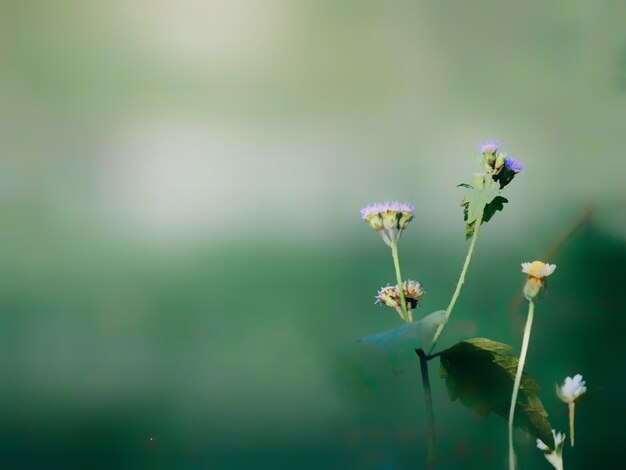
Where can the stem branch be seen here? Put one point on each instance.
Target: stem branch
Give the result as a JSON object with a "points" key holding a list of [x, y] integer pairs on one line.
{"points": [[457, 291], [518, 379], [396, 263], [430, 414]]}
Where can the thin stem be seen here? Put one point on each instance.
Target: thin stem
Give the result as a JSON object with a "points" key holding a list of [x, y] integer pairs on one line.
{"points": [[430, 414], [457, 291], [385, 238], [518, 379], [396, 263], [572, 407]]}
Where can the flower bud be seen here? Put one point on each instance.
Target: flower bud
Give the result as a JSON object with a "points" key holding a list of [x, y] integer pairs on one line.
{"points": [[375, 221], [405, 218], [390, 219], [500, 162], [533, 288], [490, 146], [536, 284]]}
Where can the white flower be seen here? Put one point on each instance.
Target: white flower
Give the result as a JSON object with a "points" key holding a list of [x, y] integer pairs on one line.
{"points": [[571, 389], [555, 457], [538, 269]]}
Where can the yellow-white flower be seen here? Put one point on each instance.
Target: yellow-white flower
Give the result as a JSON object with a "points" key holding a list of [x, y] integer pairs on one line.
{"points": [[554, 456], [538, 269], [571, 389], [537, 272]]}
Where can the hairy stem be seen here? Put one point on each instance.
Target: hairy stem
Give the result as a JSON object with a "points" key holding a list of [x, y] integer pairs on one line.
{"points": [[518, 379], [396, 263], [572, 407], [430, 414], [459, 284]]}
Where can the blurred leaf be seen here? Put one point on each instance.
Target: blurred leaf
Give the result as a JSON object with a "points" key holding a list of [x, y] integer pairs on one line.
{"points": [[408, 337], [480, 373], [465, 185]]}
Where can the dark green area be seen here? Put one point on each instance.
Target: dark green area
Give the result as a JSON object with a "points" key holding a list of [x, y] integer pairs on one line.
{"points": [[480, 373]]}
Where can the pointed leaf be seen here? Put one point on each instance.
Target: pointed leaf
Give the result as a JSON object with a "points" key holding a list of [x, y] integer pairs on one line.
{"points": [[480, 373]]}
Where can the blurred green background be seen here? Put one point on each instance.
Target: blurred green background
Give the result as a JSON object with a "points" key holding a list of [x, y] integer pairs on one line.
{"points": [[183, 270]]}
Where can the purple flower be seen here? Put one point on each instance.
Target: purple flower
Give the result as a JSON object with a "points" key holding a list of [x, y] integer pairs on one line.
{"points": [[513, 165], [379, 208], [391, 215], [370, 210], [397, 206], [490, 145]]}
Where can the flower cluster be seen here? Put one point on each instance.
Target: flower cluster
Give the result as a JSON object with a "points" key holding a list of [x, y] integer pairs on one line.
{"points": [[536, 284], [554, 456], [388, 218], [390, 296], [497, 165]]}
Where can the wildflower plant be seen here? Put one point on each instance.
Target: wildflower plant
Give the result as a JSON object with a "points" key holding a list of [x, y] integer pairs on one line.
{"points": [[534, 289], [569, 392], [481, 373]]}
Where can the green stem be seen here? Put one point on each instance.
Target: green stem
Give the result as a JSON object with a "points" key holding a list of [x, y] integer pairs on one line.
{"points": [[430, 414], [455, 296], [518, 379], [572, 406], [396, 263]]}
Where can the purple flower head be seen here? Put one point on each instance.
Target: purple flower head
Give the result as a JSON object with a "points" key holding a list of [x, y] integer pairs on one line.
{"points": [[396, 206], [512, 164], [390, 215], [379, 208], [370, 210], [490, 145]]}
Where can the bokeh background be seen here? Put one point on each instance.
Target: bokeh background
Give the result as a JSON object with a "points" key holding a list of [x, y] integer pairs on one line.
{"points": [[183, 270]]}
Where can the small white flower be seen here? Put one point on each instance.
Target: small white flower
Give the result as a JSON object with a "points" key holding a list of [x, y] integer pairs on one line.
{"points": [[571, 389], [538, 269], [555, 457]]}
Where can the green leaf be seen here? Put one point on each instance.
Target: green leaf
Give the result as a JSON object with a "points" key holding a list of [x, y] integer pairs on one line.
{"points": [[477, 199], [406, 338], [480, 203], [480, 373], [465, 185], [494, 206]]}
